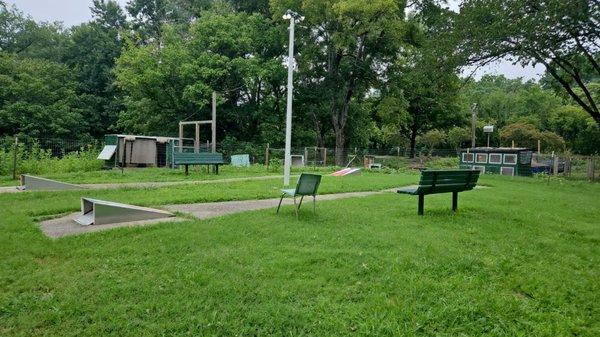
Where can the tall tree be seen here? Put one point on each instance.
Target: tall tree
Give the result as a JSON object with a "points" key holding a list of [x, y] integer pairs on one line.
{"points": [[564, 36], [91, 55], [345, 47]]}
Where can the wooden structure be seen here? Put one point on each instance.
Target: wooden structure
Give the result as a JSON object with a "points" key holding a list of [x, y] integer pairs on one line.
{"points": [[213, 128], [442, 181], [505, 161]]}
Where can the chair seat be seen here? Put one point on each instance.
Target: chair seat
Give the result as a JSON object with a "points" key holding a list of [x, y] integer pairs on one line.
{"points": [[291, 192]]}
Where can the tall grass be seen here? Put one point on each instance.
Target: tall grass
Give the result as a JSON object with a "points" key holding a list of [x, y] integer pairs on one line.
{"points": [[35, 160]]}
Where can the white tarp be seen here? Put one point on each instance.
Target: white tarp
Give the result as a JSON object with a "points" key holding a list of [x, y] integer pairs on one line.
{"points": [[107, 152]]}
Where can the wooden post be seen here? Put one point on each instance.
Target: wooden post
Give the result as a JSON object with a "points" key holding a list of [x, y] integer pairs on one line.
{"points": [[315, 162], [555, 165], [267, 156], [473, 123], [567, 171], [324, 156], [590, 169], [214, 122], [539, 146], [180, 137], [398, 150], [513, 144], [15, 149], [305, 155]]}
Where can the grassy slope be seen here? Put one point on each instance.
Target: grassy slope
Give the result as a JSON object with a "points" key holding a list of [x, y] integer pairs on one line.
{"points": [[520, 258]]}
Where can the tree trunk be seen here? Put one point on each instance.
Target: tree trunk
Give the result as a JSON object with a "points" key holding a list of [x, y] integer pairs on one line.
{"points": [[413, 140], [341, 155]]}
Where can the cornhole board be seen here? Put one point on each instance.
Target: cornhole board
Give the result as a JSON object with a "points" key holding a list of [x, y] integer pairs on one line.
{"points": [[34, 183], [101, 212], [346, 171]]}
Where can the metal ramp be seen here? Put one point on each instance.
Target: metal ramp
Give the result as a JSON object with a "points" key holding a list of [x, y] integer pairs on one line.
{"points": [[100, 212], [34, 183]]}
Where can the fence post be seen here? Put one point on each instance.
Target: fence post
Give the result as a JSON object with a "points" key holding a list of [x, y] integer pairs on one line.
{"points": [[15, 148], [315, 162], [555, 165], [590, 169], [324, 156], [267, 156], [305, 156], [567, 171]]}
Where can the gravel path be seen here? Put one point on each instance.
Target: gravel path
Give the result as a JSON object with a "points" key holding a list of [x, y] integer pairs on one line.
{"points": [[66, 226]]}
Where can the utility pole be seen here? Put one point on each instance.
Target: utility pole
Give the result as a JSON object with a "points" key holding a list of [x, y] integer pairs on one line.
{"points": [[213, 125], [293, 17], [473, 123]]}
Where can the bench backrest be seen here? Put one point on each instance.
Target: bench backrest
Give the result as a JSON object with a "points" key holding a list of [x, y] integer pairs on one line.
{"points": [[443, 181], [197, 158], [308, 184]]}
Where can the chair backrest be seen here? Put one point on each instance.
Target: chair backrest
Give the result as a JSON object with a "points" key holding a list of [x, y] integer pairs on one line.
{"points": [[441, 181], [308, 184]]}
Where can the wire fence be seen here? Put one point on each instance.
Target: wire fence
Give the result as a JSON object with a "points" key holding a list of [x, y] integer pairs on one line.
{"points": [[29, 155]]}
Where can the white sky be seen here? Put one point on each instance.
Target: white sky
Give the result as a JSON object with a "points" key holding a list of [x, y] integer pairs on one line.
{"points": [[73, 12]]}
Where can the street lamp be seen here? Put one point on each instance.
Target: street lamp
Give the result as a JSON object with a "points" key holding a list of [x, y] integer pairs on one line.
{"points": [[293, 17]]}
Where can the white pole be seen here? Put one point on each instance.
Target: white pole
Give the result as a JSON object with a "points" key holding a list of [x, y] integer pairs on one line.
{"points": [[213, 126], [288, 117]]}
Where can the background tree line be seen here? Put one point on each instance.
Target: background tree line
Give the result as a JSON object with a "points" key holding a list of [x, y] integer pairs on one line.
{"points": [[369, 74]]}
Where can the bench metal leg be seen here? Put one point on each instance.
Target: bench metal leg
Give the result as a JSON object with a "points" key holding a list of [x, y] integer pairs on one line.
{"points": [[421, 203], [300, 204], [280, 200], [295, 207], [217, 169], [454, 201]]}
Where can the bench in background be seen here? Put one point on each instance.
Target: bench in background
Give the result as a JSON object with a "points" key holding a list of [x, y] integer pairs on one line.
{"points": [[186, 159]]}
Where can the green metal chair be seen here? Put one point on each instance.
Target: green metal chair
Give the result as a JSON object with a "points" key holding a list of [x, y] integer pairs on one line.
{"points": [[308, 184]]}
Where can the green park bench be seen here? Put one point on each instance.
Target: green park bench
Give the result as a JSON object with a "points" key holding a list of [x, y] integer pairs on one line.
{"points": [[442, 181], [186, 159], [308, 184]]}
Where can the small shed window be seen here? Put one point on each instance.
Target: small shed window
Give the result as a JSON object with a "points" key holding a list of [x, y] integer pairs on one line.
{"points": [[510, 158], [467, 157], [507, 171], [495, 158], [481, 158], [480, 168]]}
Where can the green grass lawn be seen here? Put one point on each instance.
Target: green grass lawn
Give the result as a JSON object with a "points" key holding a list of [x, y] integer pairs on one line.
{"points": [[129, 175], [520, 258]]}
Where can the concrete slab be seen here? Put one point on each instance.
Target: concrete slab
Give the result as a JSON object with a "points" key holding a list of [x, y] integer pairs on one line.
{"points": [[66, 225]]}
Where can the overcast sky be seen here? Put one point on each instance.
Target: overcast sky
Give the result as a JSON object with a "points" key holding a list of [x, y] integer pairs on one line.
{"points": [[73, 12]]}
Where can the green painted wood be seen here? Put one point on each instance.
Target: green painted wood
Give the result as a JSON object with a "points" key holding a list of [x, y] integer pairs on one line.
{"points": [[182, 158]]}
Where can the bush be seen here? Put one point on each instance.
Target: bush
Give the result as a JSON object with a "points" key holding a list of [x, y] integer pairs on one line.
{"points": [[35, 160]]}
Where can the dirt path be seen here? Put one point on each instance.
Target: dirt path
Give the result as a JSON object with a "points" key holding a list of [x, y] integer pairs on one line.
{"points": [[66, 226], [107, 186]]}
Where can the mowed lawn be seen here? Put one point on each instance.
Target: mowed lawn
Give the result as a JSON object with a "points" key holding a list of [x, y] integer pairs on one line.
{"points": [[520, 258]]}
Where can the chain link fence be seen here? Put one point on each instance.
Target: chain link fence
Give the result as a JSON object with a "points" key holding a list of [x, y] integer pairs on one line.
{"points": [[44, 155]]}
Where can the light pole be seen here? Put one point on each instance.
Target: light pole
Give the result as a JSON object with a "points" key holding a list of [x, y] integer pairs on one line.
{"points": [[293, 17]]}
